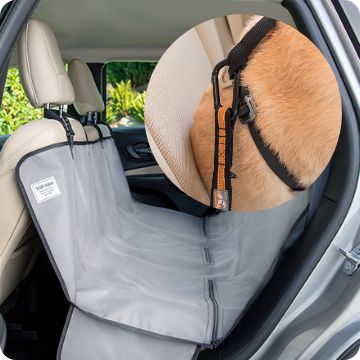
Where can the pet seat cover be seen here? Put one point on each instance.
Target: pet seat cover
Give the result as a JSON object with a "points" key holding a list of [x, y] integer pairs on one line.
{"points": [[154, 271], [86, 337]]}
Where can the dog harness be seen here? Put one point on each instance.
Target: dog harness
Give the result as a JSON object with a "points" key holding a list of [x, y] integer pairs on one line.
{"points": [[243, 108]]}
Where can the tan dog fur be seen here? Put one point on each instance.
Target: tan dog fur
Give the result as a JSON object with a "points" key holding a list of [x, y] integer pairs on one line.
{"points": [[298, 114]]}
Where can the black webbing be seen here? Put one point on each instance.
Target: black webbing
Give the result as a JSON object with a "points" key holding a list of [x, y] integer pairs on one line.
{"points": [[270, 156], [273, 160], [230, 124], [49, 114], [239, 55]]}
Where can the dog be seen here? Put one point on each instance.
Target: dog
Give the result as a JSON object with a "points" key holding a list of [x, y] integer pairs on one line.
{"points": [[298, 114]]}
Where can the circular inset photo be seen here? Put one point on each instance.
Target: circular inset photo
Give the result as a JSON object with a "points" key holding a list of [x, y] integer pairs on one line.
{"points": [[243, 113]]}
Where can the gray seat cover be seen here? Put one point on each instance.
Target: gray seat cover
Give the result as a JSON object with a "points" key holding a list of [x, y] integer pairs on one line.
{"points": [[86, 337], [145, 268]]}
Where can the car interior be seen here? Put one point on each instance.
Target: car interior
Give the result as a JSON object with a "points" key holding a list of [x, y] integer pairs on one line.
{"points": [[129, 198]]}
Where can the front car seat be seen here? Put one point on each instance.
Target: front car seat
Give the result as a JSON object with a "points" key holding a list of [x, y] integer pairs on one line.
{"points": [[46, 82]]}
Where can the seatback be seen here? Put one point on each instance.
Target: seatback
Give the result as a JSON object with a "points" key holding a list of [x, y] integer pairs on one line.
{"points": [[45, 82], [87, 96]]}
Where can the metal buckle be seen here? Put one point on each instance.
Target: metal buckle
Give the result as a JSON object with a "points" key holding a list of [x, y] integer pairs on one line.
{"points": [[215, 83], [243, 106], [252, 108]]}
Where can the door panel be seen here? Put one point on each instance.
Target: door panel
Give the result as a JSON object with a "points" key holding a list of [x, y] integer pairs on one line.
{"points": [[133, 147], [147, 182]]}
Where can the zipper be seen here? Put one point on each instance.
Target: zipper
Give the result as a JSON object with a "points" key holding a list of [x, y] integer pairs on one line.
{"points": [[216, 312], [215, 304]]}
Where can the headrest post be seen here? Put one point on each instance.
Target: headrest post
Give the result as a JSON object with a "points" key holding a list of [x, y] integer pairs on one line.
{"points": [[61, 111], [89, 117]]}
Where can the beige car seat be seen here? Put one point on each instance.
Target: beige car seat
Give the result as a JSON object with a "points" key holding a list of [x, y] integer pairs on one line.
{"points": [[206, 44], [46, 82], [88, 101], [87, 97]]}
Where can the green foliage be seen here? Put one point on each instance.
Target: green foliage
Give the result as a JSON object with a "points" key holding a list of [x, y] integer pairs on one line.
{"points": [[123, 98], [15, 109], [138, 72], [124, 101]]}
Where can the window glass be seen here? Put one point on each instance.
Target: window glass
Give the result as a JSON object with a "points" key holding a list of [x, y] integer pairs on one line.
{"points": [[352, 10], [126, 92], [349, 12], [15, 109]]}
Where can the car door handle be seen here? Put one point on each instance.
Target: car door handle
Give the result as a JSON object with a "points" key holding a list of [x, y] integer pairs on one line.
{"points": [[140, 151], [143, 151]]}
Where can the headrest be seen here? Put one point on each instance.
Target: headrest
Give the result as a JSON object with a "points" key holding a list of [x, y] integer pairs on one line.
{"points": [[87, 96], [41, 67]]}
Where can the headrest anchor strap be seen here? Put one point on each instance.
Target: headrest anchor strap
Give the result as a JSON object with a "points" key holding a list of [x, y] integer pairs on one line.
{"points": [[61, 117]]}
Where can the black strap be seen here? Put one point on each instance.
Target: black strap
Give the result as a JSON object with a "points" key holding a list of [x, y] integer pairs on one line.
{"points": [[272, 159], [239, 55], [49, 114]]}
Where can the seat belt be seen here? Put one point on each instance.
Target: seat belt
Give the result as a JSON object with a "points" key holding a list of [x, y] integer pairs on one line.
{"points": [[215, 37]]}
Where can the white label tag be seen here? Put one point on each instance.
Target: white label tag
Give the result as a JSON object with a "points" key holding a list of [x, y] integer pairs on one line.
{"points": [[45, 189]]}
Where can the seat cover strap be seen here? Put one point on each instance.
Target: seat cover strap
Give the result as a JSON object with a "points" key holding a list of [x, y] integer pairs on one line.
{"points": [[221, 186]]}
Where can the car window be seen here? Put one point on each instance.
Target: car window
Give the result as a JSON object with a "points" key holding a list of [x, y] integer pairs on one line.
{"points": [[349, 12], [2, 4], [126, 92], [15, 109]]}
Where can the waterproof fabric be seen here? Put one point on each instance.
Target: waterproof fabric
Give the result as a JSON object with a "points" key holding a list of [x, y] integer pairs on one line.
{"points": [[145, 268], [86, 337]]}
